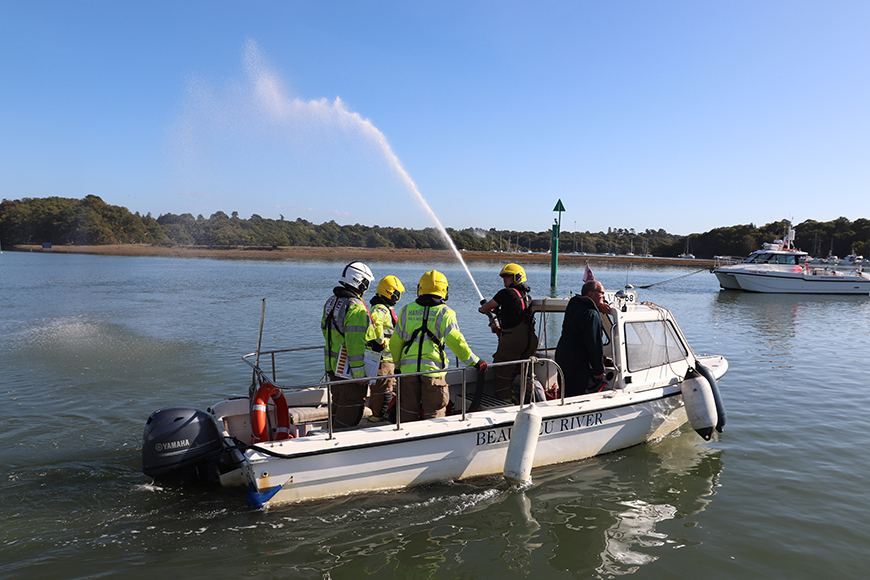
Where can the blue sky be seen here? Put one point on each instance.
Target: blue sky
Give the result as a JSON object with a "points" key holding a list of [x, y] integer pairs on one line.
{"points": [[678, 115]]}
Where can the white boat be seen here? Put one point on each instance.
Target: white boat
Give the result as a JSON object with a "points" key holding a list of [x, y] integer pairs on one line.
{"points": [[779, 268], [687, 255], [655, 384], [852, 260]]}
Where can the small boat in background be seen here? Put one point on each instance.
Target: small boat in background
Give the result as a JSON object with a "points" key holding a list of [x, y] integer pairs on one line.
{"points": [[687, 255], [852, 260]]}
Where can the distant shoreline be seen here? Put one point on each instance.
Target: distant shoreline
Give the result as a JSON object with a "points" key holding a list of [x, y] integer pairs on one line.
{"points": [[347, 254]]}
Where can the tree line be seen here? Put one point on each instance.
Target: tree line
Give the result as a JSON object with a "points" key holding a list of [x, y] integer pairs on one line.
{"points": [[91, 221]]}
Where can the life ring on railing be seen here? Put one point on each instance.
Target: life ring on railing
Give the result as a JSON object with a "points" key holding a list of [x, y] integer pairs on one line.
{"points": [[259, 424]]}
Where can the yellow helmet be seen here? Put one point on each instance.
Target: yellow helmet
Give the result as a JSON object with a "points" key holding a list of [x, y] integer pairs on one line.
{"points": [[515, 270], [390, 288], [433, 282]]}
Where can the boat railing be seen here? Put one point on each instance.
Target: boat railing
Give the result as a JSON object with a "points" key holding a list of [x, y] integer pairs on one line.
{"points": [[255, 364], [527, 372], [719, 261]]}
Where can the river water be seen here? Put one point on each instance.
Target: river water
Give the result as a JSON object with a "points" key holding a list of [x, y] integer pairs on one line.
{"points": [[93, 344]]}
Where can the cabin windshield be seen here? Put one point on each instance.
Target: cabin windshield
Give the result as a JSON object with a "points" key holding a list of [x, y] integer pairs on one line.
{"points": [[790, 259], [651, 344], [761, 258]]}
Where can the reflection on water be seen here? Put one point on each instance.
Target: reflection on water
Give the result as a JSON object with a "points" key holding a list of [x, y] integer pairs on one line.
{"points": [[613, 505], [598, 518], [776, 321]]}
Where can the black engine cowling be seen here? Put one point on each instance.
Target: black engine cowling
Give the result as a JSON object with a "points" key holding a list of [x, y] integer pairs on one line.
{"points": [[180, 443]]}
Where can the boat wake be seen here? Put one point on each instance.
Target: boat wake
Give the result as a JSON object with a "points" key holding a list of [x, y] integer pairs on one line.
{"points": [[418, 506]]}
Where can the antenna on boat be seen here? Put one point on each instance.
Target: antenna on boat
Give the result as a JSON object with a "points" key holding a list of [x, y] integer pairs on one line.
{"points": [[259, 344], [260, 337]]}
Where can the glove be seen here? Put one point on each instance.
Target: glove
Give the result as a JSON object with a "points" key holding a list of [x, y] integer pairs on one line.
{"points": [[481, 366], [375, 346]]}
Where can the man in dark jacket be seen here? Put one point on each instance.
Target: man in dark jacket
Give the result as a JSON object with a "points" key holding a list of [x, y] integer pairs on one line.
{"points": [[580, 351]]}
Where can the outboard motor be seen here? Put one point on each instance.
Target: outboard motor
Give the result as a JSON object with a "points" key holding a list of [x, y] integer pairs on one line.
{"points": [[181, 444]]}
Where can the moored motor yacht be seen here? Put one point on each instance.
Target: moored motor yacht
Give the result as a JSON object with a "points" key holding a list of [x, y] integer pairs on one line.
{"points": [[779, 268]]}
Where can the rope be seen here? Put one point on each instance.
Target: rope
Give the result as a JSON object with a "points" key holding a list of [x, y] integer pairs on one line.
{"points": [[672, 279]]}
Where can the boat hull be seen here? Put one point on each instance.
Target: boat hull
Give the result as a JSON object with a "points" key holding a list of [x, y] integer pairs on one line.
{"points": [[727, 280], [451, 448], [798, 283]]}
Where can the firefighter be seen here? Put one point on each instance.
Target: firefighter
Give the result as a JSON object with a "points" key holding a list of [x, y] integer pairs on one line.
{"points": [[516, 330], [384, 318], [346, 326], [425, 329]]}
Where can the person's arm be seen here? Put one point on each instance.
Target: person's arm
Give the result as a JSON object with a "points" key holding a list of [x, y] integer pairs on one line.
{"points": [[456, 340], [488, 307], [397, 343], [593, 344], [375, 336]]}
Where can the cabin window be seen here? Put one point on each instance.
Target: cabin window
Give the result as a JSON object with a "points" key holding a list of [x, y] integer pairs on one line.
{"points": [[550, 329], [652, 344], [760, 259]]}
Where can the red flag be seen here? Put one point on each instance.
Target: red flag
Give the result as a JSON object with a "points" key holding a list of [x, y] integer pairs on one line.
{"points": [[588, 275]]}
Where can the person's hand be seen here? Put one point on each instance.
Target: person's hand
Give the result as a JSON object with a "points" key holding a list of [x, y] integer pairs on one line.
{"points": [[480, 366]]}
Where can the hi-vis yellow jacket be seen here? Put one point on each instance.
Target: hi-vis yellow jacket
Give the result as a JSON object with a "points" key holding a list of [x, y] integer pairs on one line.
{"points": [[421, 337], [384, 321], [345, 321]]}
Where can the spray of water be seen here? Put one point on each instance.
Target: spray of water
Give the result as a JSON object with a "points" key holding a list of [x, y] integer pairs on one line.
{"points": [[396, 165], [271, 98]]}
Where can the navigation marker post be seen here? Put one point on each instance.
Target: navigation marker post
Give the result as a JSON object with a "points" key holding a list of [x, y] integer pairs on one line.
{"points": [[554, 244]]}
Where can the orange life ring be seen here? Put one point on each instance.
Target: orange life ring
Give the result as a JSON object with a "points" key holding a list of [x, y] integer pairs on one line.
{"points": [[259, 425]]}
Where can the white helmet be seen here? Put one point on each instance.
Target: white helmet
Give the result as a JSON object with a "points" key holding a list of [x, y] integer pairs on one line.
{"points": [[357, 276]]}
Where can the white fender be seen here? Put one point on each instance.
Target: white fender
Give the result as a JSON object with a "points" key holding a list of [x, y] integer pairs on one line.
{"points": [[700, 405], [717, 396], [522, 446]]}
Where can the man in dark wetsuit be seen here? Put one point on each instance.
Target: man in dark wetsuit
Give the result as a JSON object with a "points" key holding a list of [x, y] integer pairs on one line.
{"points": [[516, 336], [580, 351]]}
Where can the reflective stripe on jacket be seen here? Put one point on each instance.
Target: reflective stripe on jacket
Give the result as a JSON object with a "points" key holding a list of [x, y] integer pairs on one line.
{"points": [[383, 319], [415, 349], [345, 321]]}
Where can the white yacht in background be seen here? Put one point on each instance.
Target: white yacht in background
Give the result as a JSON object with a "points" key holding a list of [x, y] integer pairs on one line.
{"points": [[779, 268], [688, 255]]}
